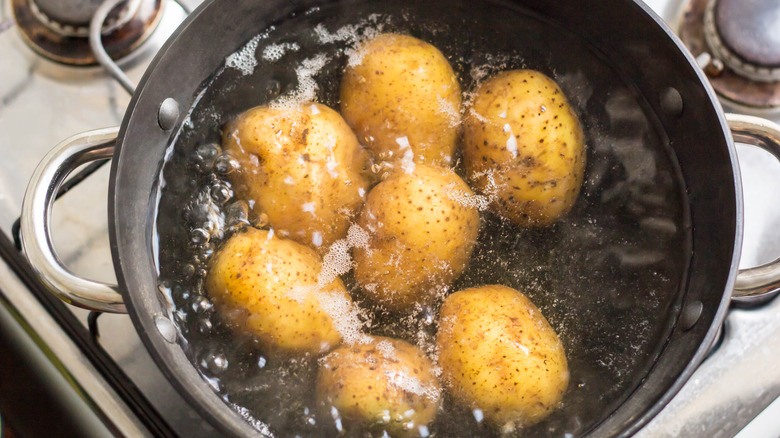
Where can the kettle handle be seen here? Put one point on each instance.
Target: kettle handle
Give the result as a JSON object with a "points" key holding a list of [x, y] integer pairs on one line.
{"points": [[761, 282], [60, 162]]}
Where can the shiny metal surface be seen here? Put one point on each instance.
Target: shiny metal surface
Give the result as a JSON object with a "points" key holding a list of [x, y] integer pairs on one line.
{"points": [[78, 373], [756, 284], [744, 34], [42, 103], [36, 221], [730, 74], [72, 17], [95, 42]]}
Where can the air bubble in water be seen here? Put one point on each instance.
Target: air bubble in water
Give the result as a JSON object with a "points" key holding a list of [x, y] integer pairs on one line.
{"points": [[205, 325], [273, 88], [188, 270], [216, 363], [221, 192], [237, 214], [225, 164], [202, 304], [199, 236], [205, 154]]}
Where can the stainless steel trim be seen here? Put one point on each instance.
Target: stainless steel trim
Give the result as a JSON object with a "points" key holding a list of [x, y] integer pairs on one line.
{"points": [[69, 360], [36, 221], [761, 282]]}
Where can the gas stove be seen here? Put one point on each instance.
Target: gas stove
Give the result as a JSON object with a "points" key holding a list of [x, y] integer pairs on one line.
{"points": [[99, 374]]}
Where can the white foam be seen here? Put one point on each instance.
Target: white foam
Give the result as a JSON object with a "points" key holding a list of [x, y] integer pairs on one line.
{"points": [[386, 348], [410, 384], [275, 52], [511, 142], [353, 35], [308, 207], [357, 236], [448, 109], [336, 261], [316, 239], [307, 86], [403, 142], [407, 161], [345, 316], [468, 200], [244, 58], [479, 116]]}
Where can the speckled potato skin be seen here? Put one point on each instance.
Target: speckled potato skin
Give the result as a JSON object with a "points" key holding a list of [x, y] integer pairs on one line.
{"points": [[499, 354], [386, 384], [420, 240], [302, 166], [256, 280], [539, 182], [402, 87]]}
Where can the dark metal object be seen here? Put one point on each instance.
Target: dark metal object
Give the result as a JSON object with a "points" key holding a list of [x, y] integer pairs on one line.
{"points": [[96, 23], [169, 114], [748, 32], [93, 326], [108, 368], [71, 17], [691, 314], [750, 44], [61, 42], [645, 52]]}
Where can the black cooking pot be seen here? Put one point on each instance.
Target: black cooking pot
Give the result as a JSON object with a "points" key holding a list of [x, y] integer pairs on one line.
{"points": [[624, 33]]}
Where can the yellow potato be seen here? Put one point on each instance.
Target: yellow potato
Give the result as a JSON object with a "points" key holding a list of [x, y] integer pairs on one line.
{"points": [[386, 385], [523, 144], [401, 97], [422, 227], [499, 354], [302, 166], [268, 286]]}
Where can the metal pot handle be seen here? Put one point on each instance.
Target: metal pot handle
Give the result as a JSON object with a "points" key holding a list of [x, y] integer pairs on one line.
{"points": [[760, 282], [36, 221]]}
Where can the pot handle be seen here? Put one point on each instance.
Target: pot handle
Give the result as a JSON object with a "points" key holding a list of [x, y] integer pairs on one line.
{"points": [[36, 221], [761, 282]]}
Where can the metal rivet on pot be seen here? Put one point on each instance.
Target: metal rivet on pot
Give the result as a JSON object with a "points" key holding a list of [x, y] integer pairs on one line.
{"points": [[671, 102], [166, 328], [168, 113], [691, 314]]}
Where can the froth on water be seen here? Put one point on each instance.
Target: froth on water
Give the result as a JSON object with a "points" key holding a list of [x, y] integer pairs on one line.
{"points": [[606, 276]]}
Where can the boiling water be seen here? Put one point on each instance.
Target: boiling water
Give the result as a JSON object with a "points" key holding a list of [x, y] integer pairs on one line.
{"points": [[608, 276]]}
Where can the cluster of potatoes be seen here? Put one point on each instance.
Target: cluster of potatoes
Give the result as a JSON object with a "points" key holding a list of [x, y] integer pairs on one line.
{"points": [[307, 170]]}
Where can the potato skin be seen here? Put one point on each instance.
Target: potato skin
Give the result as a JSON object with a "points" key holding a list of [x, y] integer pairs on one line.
{"points": [[302, 166], [499, 354], [267, 286], [403, 87], [522, 132], [377, 385], [420, 240]]}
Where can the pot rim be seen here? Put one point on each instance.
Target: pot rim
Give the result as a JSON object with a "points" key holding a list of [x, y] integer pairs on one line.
{"points": [[143, 112]]}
